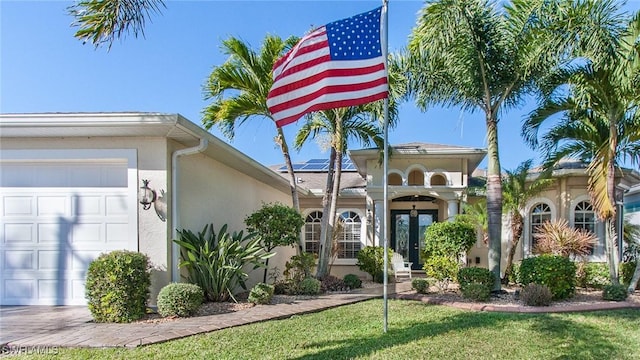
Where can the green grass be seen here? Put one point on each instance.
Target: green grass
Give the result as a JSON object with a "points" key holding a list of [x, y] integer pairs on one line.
{"points": [[416, 331]]}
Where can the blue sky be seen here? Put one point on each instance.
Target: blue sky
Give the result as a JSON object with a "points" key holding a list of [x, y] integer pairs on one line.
{"points": [[43, 68]]}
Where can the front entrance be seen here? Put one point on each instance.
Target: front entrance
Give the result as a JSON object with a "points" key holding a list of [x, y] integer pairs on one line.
{"points": [[407, 233]]}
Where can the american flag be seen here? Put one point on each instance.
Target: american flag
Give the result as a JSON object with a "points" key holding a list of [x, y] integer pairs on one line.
{"points": [[340, 64]]}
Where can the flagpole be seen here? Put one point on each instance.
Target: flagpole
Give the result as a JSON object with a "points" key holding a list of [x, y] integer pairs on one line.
{"points": [[385, 197]]}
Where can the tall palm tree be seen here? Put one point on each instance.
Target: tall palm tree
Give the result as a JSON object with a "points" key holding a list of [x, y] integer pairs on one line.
{"points": [[600, 124], [238, 91], [339, 127], [488, 55], [518, 187], [101, 22]]}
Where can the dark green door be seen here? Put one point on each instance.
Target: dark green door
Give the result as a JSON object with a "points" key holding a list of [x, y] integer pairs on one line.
{"points": [[407, 233]]}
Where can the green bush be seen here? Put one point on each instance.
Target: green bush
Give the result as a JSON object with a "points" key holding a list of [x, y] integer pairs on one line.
{"points": [[448, 239], [216, 262], [179, 299], [299, 267], [536, 295], [261, 293], [477, 292], [443, 269], [626, 273], [592, 275], [309, 286], [117, 286], [475, 275], [371, 261], [556, 272], [421, 286], [514, 276], [615, 293], [352, 281]]}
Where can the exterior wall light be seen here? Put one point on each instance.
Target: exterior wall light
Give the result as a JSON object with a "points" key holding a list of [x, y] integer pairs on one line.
{"points": [[146, 195]]}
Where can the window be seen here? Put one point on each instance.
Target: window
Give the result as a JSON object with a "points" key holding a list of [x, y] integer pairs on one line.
{"points": [[585, 218], [349, 243], [395, 179], [416, 177], [312, 232], [539, 214], [438, 180]]}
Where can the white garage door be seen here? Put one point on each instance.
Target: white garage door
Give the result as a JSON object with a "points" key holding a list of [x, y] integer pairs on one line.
{"points": [[58, 214]]}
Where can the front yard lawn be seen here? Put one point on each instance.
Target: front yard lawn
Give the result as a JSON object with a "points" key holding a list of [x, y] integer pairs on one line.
{"points": [[416, 331]]}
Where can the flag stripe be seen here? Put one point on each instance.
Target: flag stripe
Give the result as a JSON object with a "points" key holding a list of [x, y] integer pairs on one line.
{"points": [[337, 65], [342, 102]]}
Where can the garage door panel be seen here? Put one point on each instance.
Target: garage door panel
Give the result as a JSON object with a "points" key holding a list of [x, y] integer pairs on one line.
{"points": [[88, 205], [20, 290], [18, 205], [86, 234], [53, 205], [19, 260], [17, 233], [116, 205], [51, 232]]}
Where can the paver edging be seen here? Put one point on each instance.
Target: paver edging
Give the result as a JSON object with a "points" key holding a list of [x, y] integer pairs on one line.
{"points": [[519, 308]]}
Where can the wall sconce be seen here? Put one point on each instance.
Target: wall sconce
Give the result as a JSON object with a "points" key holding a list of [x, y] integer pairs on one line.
{"points": [[146, 195], [369, 216]]}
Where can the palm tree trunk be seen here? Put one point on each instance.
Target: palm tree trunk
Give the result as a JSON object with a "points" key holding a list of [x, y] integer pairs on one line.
{"points": [[611, 238], [494, 200], [328, 219], [611, 250], [516, 233], [292, 178], [636, 277]]}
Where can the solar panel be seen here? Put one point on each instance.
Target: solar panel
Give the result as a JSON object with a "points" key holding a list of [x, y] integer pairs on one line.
{"points": [[318, 165]]}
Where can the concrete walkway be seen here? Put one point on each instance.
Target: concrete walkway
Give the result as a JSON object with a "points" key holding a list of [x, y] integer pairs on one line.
{"points": [[71, 326]]}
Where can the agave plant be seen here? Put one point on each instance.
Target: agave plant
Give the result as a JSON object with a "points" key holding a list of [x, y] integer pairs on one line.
{"points": [[216, 261], [558, 238]]}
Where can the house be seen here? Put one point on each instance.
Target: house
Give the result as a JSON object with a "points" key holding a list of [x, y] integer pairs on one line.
{"points": [[70, 184]]}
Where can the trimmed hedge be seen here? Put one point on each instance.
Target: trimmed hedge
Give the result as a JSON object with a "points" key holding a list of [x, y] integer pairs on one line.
{"points": [[179, 299], [117, 286], [352, 281], [475, 275], [556, 272], [261, 293]]}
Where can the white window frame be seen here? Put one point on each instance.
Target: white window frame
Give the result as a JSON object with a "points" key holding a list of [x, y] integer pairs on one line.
{"points": [[363, 231], [599, 251], [527, 236]]}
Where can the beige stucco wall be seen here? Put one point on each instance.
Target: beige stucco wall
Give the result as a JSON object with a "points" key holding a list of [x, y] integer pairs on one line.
{"points": [[211, 192]]}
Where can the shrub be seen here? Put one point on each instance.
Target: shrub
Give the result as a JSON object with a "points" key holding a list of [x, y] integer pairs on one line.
{"points": [[558, 273], [421, 286], [332, 283], [216, 262], [558, 238], [536, 295], [475, 275], [261, 293], [514, 276], [117, 286], [441, 268], [626, 273], [352, 281], [179, 299], [615, 292], [275, 225], [477, 292], [448, 239], [309, 286], [299, 267], [592, 275], [371, 261]]}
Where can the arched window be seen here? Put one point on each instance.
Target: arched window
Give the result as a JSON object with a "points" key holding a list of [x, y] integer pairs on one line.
{"points": [[395, 179], [349, 243], [585, 218], [438, 180], [416, 178], [312, 232], [539, 214]]}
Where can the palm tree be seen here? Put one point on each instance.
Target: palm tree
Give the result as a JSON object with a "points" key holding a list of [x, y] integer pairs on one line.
{"points": [[482, 55], [103, 21], [600, 124], [518, 187], [247, 76], [339, 126]]}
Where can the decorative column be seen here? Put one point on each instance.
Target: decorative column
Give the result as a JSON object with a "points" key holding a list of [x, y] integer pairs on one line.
{"points": [[377, 221], [452, 209]]}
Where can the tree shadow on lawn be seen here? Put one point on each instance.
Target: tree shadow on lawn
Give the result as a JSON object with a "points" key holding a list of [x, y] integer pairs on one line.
{"points": [[570, 339]]}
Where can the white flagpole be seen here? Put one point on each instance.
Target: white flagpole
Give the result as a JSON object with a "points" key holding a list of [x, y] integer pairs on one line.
{"points": [[384, 41]]}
